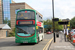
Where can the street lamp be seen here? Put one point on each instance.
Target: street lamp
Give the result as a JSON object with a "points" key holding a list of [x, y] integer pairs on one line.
{"points": [[53, 20]]}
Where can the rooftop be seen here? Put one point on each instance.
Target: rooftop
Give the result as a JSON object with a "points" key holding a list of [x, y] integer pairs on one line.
{"points": [[4, 26]]}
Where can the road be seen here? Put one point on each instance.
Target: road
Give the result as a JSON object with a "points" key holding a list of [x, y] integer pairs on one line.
{"points": [[9, 44]]}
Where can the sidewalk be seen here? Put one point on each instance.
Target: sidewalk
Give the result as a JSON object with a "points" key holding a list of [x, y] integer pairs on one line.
{"points": [[61, 44], [7, 38]]}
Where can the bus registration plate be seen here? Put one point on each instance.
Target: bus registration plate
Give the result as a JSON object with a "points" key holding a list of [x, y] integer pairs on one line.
{"points": [[25, 42]]}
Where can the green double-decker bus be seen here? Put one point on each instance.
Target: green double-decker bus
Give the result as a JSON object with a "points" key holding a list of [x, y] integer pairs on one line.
{"points": [[29, 27]]}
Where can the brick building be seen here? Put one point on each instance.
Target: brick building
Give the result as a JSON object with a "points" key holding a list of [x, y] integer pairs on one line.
{"points": [[5, 10], [8, 9], [4, 30], [18, 6], [1, 13]]}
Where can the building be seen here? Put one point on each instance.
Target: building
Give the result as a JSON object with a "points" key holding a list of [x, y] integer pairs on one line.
{"points": [[8, 8], [4, 29], [15, 7], [1, 19], [5, 10]]}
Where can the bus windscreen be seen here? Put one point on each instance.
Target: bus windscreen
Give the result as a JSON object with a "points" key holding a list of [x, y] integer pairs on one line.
{"points": [[26, 15], [26, 30]]}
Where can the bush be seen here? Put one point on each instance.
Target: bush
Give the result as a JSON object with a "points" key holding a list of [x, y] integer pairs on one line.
{"points": [[12, 33]]}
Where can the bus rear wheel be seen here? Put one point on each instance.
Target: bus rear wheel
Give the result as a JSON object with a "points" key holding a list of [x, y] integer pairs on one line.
{"points": [[42, 38], [37, 40]]}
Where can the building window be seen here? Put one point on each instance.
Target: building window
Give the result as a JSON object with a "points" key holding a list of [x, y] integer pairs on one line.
{"points": [[16, 11], [6, 8]]}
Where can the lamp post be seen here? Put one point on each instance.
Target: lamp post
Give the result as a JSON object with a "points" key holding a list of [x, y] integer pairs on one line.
{"points": [[53, 20]]}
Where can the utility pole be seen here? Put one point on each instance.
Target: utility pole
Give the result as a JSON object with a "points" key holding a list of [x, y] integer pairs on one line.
{"points": [[53, 20]]}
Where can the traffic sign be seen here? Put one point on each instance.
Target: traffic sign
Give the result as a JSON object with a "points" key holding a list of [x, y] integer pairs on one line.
{"points": [[62, 23], [55, 19], [68, 24]]}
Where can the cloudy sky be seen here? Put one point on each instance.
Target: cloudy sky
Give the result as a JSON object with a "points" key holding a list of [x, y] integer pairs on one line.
{"points": [[63, 8]]}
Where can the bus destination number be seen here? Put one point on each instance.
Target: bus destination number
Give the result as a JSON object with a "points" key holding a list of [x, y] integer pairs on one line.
{"points": [[26, 22]]}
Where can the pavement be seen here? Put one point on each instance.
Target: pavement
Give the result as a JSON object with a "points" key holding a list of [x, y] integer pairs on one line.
{"points": [[9, 44], [60, 44]]}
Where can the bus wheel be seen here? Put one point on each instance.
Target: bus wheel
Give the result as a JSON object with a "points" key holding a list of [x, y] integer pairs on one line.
{"points": [[42, 38], [37, 40]]}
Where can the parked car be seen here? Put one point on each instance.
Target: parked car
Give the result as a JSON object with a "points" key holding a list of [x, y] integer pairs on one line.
{"points": [[72, 32], [48, 32], [60, 31], [52, 31]]}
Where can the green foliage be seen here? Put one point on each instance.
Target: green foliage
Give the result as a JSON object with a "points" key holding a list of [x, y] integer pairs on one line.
{"points": [[72, 23], [7, 21], [49, 22], [12, 34], [57, 26]]}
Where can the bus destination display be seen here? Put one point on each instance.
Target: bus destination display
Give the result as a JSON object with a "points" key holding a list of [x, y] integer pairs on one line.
{"points": [[25, 22]]}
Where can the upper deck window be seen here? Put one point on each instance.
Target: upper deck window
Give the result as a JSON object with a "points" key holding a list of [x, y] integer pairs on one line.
{"points": [[26, 15]]}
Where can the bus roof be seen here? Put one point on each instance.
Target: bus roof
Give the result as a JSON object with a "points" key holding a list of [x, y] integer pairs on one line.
{"points": [[33, 10]]}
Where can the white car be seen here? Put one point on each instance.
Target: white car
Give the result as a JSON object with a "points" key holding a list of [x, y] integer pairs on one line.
{"points": [[60, 31], [72, 32]]}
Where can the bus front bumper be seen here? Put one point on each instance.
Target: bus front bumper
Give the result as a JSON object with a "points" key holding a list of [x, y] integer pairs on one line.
{"points": [[25, 40]]}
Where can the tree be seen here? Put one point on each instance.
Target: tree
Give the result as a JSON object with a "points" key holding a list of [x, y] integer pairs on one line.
{"points": [[49, 22], [72, 23], [58, 27], [12, 33], [7, 21]]}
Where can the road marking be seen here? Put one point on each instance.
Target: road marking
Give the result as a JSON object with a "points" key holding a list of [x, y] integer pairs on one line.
{"points": [[46, 39], [46, 46]]}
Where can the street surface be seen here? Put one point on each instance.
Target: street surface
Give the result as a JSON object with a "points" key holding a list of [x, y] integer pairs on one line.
{"points": [[61, 44], [9, 44]]}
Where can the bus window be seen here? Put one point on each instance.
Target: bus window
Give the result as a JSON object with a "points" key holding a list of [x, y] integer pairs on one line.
{"points": [[28, 15], [25, 30], [40, 30]]}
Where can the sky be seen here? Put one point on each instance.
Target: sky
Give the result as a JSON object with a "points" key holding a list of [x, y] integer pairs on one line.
{"points": [[63, 9]]}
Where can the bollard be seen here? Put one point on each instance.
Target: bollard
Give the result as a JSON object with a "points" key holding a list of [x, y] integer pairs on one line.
{"points": [[57, 35]]}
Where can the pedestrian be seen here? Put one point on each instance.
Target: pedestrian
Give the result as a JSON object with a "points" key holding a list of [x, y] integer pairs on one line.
{"points": [[69, 36]]}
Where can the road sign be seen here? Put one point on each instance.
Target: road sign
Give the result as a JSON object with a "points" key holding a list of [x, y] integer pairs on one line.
{"points": [[55, 19], [68, 24], [62, 23]]}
